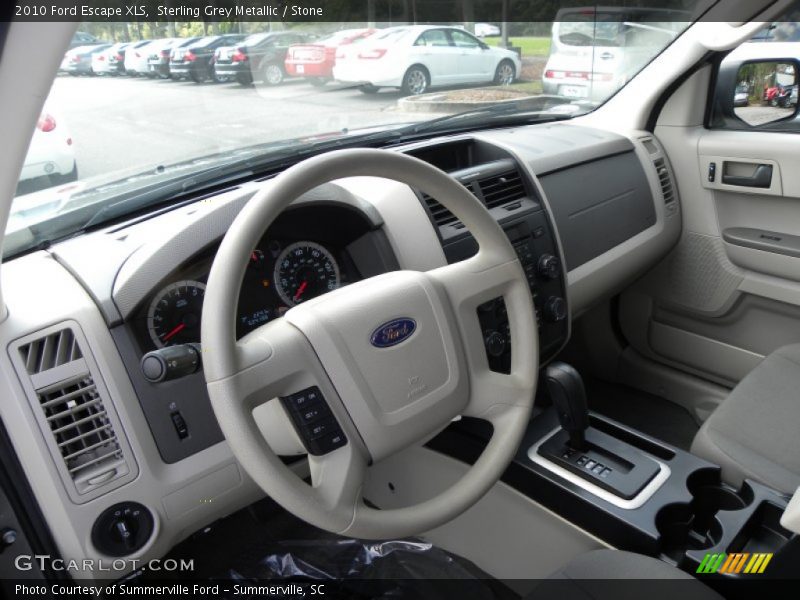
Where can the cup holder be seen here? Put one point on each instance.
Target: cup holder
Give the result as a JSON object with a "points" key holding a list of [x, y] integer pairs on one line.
{"points": [[695, 526]]}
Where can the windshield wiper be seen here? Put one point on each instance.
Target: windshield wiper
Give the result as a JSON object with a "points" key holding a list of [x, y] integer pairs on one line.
{"points": [[535, 109]]}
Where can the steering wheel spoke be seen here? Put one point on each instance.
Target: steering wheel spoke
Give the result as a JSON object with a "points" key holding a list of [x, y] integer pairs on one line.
{"points": [[337, 477], [272, 361], [470, 283]]}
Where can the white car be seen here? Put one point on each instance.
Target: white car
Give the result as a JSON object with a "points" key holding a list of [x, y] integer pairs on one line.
{"points": [[418, 57], [51, 152], [109, 61], [592, 57], [486, 30], [137, 55]]}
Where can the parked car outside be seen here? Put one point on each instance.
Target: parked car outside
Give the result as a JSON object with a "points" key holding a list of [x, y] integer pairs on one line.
{"points": [[78, 61], [486, 30], [159, 59], [51, 152], [195, 61], [741, 96], [81, 38], [260, 57], [136, 57], [594, 53], [315, 61], [110, 61], [419, 57]]}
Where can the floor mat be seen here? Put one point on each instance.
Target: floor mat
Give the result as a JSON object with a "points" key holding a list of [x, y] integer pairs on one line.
{"points": [[649, 414], [264, 543]]}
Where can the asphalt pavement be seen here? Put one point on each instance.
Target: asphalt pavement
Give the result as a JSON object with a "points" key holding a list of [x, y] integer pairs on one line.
{"points": [[758, 115], [127, 124]]}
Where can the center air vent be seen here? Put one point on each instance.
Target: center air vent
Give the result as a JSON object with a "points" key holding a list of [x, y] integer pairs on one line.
{"points": [[74, 412], [665, 179], [441, 216], [494, 184], [502, 189]]}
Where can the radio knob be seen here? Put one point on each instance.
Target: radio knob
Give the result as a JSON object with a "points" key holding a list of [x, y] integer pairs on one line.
{"points": [[555, 309], [549, 266]]}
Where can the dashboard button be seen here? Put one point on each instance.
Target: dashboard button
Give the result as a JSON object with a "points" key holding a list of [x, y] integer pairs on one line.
{"points": [[180, 425], [321, 428], [327, 443]]}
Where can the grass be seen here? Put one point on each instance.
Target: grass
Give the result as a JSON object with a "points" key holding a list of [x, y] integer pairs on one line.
{"points": [[531, 46], [532, 87]]}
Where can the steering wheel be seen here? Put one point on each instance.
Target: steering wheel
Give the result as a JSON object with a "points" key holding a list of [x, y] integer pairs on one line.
{"points": [[396, 357]]}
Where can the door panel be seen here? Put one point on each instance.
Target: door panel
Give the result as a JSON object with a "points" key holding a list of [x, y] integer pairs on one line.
{"points": [[729, 293]]}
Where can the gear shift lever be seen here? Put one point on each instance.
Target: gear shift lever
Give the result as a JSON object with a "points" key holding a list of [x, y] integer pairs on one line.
{"points": [[565, 386]]}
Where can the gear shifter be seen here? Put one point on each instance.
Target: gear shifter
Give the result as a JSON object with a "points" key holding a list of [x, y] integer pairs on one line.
{"points": [[565, 386]]}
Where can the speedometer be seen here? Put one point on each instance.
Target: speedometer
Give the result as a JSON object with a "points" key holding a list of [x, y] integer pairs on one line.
{"points": [[305, 270], [174, 315]]}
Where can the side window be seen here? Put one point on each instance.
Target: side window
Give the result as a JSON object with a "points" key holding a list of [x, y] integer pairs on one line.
{"points": [[434, 37], [757, 83], [464, 40]]}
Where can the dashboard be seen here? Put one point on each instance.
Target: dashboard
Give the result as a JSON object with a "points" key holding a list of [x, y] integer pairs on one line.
{"points": [[584, 208]]}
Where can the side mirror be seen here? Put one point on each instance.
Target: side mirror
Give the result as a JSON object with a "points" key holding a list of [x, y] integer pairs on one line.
{"points": [[762, 91]]}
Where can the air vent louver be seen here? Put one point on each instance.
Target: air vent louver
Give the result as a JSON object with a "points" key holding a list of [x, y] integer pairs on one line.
{"points": [[441, 216], [665, 179], [75, 411], [497, 190], [50, 351], [502, 189]]}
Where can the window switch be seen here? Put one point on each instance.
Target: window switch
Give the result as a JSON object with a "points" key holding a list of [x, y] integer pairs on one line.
{"points": [[180, 425], [712, 171]]}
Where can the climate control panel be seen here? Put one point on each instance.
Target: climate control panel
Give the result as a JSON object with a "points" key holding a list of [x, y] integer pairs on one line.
{"points": [[533, 239]]}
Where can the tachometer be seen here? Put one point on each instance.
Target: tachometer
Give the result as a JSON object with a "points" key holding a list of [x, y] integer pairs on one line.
{"points": [[174, 315], [305, 270]]}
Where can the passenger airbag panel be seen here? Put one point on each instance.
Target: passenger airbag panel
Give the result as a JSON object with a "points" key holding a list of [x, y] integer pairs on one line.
{"points": [[599, 204]]}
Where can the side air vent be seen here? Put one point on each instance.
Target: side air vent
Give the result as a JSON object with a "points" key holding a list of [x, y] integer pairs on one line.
{"points": [[665, 179], [502, 189], [74, 412]]}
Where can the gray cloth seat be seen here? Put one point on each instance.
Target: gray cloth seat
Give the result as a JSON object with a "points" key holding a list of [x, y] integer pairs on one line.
{"points": [[618, 575], [755, 432]]}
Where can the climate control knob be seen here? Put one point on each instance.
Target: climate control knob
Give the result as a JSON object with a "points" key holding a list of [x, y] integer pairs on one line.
{"points": [[549, 266], [555, 309]]}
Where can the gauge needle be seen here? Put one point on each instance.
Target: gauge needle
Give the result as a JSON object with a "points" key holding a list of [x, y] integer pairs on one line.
{"points": [[175, 331], [300, 290]]}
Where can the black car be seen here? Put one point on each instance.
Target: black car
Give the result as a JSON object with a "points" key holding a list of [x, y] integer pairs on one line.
{"points": [[158, 62], [259, 58], [196, 61], [81, 38]]}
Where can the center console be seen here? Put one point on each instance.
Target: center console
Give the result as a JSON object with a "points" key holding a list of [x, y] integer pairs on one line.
{"points": [[638, 493]]}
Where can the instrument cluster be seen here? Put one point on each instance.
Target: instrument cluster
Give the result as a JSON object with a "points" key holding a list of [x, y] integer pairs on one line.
{"points": [[306, 253]]}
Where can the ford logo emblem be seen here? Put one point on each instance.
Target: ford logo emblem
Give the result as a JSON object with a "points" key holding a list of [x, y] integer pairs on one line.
{"points": [[393, 332]]}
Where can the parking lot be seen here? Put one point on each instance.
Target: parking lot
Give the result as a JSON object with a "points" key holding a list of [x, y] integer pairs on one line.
{"points": [[127, 123]]}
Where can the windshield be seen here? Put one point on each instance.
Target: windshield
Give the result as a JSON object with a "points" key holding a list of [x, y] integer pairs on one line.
{"points": [[140, 129]]}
